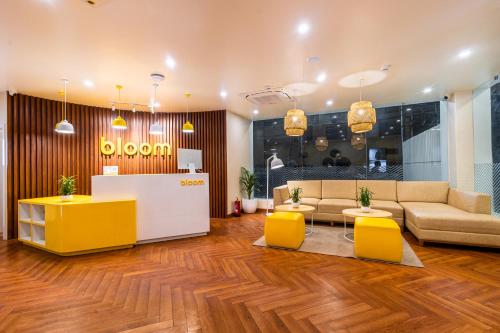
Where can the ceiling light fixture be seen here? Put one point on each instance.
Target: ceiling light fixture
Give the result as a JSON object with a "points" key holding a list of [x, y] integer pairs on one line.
{"points": [[329, 102], [362, 115], [321, 77], [255, 111], [170, 62], [155, 128], [64, 126], [295, 123], [303, 28], [119, 123], [465, 53], [223, 93], [187, 127], [427, 90], [88, 83]]}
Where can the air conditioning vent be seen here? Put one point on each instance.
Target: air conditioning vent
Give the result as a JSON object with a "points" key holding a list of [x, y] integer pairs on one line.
{"points": [[267, 96]]}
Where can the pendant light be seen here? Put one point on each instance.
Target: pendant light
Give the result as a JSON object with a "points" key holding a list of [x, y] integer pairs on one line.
{"points": [[362, 115], [358, 141], [295, 122], [119, 123], [64, 126], [321, 143], [155, 128], [187, 127]]}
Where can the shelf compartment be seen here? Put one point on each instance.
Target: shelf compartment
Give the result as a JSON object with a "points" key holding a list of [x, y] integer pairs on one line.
{"points": [[24, 211], [38, 234], [24, 231], [38, 214]]}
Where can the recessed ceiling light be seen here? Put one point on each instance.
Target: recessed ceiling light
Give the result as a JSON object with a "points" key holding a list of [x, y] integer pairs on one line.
{"points": [[329, 102], [275, 123], [88, 83], [338, 125], [157, 104], [340, 131], [303, 28], [392, 127], [398, 120], [408, 109], [170, 62], [255, 111], [321, 77], [386, 133], [465, 53], [334, 117], [427, 90], [223, 93]]}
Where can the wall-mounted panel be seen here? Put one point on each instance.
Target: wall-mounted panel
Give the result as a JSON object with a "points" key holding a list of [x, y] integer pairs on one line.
{"points": [[37, 156]]}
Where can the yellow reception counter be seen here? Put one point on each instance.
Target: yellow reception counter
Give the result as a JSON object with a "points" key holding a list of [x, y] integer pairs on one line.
{"points": [[80, 226]]}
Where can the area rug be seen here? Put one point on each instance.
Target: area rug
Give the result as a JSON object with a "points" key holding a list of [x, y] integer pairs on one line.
{"points": [[331, 241]]}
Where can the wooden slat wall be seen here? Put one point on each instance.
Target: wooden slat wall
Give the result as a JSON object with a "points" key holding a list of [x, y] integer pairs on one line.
{"points": [[37, 156]]}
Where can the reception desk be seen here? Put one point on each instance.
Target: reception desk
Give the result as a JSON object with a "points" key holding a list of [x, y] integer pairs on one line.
{"points": [[168, 206]]}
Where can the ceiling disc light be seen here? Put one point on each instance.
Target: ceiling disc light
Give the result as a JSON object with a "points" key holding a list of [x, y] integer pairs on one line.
{"points": [[329, 102], [223, 93], [119, 123], [64, 126], [465, 53], [170, 62], [362, 116], [303, 28], [88, 83], [321, 77], [255, 111], [187, 127], [427, 90]]}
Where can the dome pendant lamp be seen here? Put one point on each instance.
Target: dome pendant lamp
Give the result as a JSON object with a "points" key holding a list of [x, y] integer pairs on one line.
{"points": [[187, 127], [295, 123], [155, 128], [64, 126], [119, 123], [362, 115]]}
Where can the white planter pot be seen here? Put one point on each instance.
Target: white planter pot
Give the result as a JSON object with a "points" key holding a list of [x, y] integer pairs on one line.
{"points": [[365, 209], [296, 204], [66, 198], [249, 205]]}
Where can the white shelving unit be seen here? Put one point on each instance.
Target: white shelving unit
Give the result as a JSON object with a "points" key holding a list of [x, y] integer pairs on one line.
{"points": [[31, 222]]}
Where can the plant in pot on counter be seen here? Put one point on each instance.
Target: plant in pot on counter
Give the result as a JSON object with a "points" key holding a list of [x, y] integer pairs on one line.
{"points": [[67, 187], [296, 195], [247, 185], [365, 196]]}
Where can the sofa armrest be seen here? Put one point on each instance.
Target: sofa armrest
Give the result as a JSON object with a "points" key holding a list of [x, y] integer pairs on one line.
{"points": [[472, 202], [280, 194]]}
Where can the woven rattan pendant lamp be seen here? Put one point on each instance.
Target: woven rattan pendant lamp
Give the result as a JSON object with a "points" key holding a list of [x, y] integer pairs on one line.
{"points": [[362, 115], [295, 123]]}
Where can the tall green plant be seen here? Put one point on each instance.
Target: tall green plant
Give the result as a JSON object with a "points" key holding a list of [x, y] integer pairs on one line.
{"points": [[365, 196], [67, 185], [247, 182]]}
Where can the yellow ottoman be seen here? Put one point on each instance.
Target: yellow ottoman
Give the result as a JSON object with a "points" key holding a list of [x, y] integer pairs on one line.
{"points": [[378, 238], [285, 229]]}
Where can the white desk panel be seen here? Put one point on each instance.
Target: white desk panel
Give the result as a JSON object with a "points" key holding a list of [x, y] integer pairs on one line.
{"points": [[165, 208]]}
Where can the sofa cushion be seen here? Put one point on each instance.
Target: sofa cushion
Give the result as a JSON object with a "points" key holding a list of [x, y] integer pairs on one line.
{"points": [[422, 191], [335, 206], [306, 201], [443, 217], [472, 202], [338, 189], [389, 206], [382, 189], [310, 188]]}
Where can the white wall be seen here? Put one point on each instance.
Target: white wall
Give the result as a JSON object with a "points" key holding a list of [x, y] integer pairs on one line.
{"points": [[239, 153], [3, 162], [461, 141]]}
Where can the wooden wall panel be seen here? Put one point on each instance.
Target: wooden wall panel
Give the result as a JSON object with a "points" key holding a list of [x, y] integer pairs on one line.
{"points": [[37, 156]]}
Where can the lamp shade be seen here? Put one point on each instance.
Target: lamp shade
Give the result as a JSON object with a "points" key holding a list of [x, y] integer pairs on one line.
{"points": [[187, 127], [119, 123], [155, 129], [276, 163], [321, 143], [295, 122], [361, 117], [358, 141], [64, 127]]}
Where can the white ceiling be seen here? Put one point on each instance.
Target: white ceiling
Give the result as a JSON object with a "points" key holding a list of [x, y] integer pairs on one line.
{"points": [[241, 45]]}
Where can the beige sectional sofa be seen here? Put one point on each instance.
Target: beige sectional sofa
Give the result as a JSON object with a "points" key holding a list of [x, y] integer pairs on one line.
{"points": [[430, 210]]}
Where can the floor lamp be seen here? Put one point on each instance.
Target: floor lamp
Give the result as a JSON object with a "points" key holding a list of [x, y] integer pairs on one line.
{"points": [[276, 163]]}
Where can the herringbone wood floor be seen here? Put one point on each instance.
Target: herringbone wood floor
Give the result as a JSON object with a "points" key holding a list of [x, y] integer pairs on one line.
{"points": [[221, 283]]}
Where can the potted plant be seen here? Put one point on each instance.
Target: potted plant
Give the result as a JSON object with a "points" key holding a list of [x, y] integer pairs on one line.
{"points": [[295, 195], [247, 184], [365, 196], [67, 186]]}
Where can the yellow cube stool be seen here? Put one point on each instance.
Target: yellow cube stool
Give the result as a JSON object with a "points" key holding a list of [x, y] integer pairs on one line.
{"points": [[285, 229], [378, 238]]}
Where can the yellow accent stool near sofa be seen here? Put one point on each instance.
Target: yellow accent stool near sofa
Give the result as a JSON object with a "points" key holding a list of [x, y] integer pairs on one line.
{"points": [[378, 238], [285, 229]]}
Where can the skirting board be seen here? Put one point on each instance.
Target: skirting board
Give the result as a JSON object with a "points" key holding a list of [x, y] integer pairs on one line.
{"points": [[155, 240]]}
